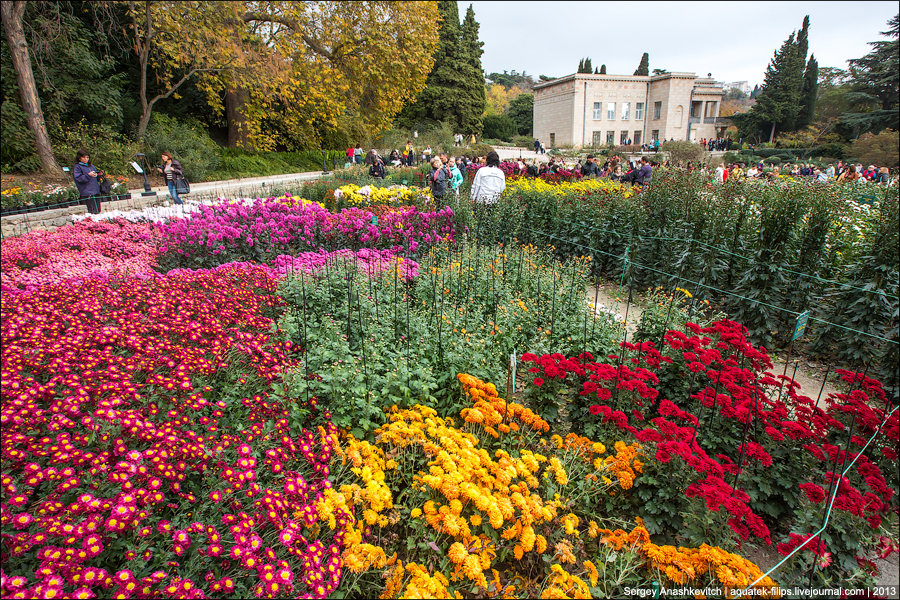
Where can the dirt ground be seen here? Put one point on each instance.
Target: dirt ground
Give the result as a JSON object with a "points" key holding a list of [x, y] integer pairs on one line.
{"points": [[809, 375], [40, 181]]}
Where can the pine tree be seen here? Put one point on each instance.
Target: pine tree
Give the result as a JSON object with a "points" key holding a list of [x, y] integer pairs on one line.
{"points": [[596, 71], [588, 68], [470, 119], [644, 67], [454, 91], [875, 81], [603, 69], [810, 91], [778, 105], [580, 66]]}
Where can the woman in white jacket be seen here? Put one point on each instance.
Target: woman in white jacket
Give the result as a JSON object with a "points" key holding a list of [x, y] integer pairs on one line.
{"points": [[487, 187], [489, 181]]}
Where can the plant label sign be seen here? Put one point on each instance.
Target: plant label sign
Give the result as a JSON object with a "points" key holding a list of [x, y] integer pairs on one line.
{"points": [[137, 167], [800, 325]]}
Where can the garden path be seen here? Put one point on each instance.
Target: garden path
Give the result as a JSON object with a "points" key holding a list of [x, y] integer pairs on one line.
{"points": [[810, 374]]}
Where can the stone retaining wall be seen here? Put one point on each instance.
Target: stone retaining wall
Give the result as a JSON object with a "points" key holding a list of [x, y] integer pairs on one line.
{"points": [[51, 220]]}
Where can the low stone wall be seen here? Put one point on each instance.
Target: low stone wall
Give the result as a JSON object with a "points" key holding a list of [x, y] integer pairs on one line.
{"points": [[51, 220]]}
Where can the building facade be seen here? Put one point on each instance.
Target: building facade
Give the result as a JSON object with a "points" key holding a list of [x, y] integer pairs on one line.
{"points": [[593, 110]]}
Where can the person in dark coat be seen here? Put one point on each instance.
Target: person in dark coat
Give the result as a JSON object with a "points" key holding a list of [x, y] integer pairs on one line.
{"points": [[85, 176], [589, 168]]}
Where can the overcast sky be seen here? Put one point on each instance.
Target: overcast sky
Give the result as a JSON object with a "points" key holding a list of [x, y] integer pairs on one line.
{"points": [[732, 40]]}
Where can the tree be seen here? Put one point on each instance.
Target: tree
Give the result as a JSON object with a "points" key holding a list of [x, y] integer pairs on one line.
{"points": [[499, 127], [735, 94], [682, 151], [446, 96], [756, 91], [521, 112], [603, 69], [12, 13], [644, 67], [659, 71], [779, 103], [596, 71], [875, 82], [588, 67], [809, 92], [498, 99], [880, 150], [470, 120], [580, 66]]}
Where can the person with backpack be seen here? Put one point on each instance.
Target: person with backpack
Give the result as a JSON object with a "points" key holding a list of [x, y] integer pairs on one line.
{"points": [[173, 171], [86, 180], [644, 174], [439, 180]]}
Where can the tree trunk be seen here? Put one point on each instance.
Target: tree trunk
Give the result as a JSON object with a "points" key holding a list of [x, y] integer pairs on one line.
{"points": [[772, 133], [236, 117], [18, 49]]}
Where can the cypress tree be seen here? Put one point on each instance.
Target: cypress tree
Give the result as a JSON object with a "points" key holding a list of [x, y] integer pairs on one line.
{"points": [[779, 103], [603, 69], [470, 117], [587, 65], [596, 71], [580, 66], [644, 67], [810, 90], [448, 94]]}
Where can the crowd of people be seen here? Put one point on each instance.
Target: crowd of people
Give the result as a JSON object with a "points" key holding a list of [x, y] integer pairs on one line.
{"points": [[837, 172]]}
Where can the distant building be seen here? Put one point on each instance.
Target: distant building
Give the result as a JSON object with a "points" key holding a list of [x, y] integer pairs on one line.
{"points": [[743, 86], [593, 110]]}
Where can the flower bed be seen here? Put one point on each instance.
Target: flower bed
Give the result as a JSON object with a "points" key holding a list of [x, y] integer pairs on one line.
{"points": [[321, 423], [82, 250], [261, 231]]}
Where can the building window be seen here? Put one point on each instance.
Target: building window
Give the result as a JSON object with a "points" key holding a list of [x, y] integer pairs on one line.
{"points": [[657, 110], [610, 137], [626, 108], [552, 139], [611, 111], [623, 137], [639, 111], [595, 139], [710, 109], [654, 135], [696, 109], [637, 137], [597, 109]]}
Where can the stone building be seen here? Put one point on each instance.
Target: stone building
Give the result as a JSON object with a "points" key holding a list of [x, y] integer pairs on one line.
{"points": [[593, 110]]}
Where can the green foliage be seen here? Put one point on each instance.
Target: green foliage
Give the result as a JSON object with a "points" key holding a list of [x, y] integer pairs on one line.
{"points": [[109, 150], [781, 101], [602, 69], [682, 151], [454, 90], [16, 140], [773, 160], [187, 140], [521, 112], [499, 127], [479, 149], [875, 82], [809, 93], [381, 341], [644, 67], [236, 162]]}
